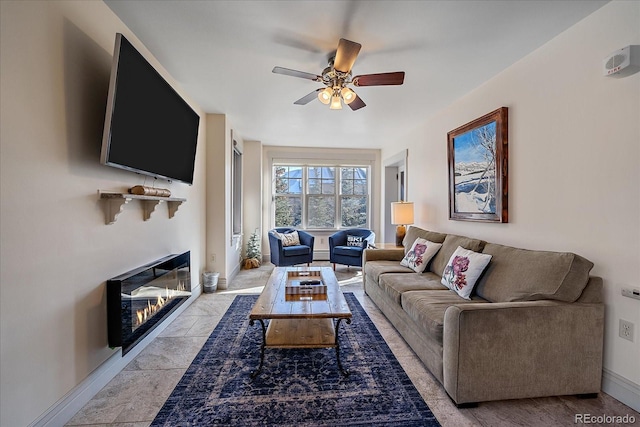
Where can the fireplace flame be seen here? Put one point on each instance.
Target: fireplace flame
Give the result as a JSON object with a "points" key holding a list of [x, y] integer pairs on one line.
{"points": [[146, 313]]}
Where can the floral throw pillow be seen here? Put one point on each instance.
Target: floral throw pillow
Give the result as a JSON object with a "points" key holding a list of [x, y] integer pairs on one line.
{"points": [[290, 239], [420, 254], [354, 240], [463, 270]]}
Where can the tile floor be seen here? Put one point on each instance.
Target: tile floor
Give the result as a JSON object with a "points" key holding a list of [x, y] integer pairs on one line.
{"points": [[162, 363]]}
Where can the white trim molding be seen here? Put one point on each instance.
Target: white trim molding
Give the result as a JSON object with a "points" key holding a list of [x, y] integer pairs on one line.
{"points": [[621, 389]]}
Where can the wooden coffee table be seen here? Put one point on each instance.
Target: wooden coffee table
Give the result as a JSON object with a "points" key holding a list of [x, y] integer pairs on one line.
{"points": [[300, 321]]}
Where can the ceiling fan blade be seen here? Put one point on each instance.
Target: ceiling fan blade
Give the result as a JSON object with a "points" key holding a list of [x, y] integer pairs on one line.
{"points": [[357, 103], [346, 55], [308, 98], [295, 73], [380, 79]]}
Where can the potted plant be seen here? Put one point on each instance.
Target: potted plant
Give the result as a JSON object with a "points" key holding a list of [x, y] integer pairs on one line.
{"points": [[254, 254]]}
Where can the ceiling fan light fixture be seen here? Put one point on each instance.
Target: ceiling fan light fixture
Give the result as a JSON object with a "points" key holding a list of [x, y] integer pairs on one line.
{"points": [[325, 95], [335, 103], [348, 95]]}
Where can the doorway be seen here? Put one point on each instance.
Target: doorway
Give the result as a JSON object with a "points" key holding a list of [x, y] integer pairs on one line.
{"points": [[395, 189]]}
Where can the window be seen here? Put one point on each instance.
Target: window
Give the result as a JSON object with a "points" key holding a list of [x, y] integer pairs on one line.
{"points": [[354, 197], [321, 197], [288, 196], [236, 189]]}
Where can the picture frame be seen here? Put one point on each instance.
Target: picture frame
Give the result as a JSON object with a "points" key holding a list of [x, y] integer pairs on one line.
{"points": [[478, 169]]}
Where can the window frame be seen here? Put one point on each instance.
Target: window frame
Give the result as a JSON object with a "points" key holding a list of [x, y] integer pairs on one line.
{"points": [[338, 196]]}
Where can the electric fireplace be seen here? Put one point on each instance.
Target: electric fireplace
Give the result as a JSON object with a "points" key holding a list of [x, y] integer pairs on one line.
{"points": [[139, 300]]}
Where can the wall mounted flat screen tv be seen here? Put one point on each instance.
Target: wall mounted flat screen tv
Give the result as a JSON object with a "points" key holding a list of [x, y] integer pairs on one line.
{"points": [[149, 128]]}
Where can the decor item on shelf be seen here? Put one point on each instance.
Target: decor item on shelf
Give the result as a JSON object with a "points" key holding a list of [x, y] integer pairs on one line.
{"points": [[254, 254], [401, 215], [143, 190], [478, 179], [337, 76]]}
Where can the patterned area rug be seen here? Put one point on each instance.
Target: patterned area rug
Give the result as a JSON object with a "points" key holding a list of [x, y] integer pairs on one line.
{"points": [[296, 387]]}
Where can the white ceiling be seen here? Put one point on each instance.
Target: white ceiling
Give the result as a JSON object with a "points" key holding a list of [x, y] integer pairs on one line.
{"points": [[222, 54]]}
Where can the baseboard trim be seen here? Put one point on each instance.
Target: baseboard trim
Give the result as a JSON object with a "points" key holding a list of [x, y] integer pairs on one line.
{"points": [[621, 389], [65, 408], [321, 255]]}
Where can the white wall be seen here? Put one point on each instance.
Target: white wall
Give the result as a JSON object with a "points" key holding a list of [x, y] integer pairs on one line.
{"points": [[252, 192], [56, 251], [223, 250], [574, 163]]}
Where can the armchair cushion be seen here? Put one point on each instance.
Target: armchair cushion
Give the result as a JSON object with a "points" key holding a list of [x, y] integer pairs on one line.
{"points": [[295, 250], [348, 250]]}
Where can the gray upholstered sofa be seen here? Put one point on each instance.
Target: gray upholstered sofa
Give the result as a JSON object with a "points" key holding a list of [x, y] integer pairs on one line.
{"points": [[533, 327]]}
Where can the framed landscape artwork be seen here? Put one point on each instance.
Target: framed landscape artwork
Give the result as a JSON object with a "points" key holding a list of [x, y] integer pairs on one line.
{"points": [[478, 179]]}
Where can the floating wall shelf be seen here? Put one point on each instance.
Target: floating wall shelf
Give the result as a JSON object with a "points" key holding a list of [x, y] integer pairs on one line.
{"points": [[114, 204]]}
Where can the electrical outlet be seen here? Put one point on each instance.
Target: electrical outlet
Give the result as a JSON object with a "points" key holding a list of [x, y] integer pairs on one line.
{"points": [[626, 330], [213, 257], [321, 240]]}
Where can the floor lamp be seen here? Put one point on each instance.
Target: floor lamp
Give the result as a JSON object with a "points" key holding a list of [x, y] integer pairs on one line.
{"points": [[401, 215]]}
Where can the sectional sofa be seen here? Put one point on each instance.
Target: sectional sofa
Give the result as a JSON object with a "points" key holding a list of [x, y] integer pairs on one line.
{"points": [[532, 327]]}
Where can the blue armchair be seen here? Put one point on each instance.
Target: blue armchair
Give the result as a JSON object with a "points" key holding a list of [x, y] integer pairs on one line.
{"points": [[290, 255], [340, 252]]}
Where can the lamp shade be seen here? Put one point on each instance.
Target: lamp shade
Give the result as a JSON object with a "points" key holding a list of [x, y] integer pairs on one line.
{"points": [[401, 213], [336, 104], [325, 95]]}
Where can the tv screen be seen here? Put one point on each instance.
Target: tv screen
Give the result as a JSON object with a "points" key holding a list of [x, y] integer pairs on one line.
{"points": [[149, 128]]}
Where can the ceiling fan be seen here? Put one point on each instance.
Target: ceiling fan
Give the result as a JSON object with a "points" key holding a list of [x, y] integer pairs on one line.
{"points": [[337, 77]]}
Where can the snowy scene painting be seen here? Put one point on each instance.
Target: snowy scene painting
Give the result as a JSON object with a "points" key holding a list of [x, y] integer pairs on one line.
{"points": [[478, 169]]}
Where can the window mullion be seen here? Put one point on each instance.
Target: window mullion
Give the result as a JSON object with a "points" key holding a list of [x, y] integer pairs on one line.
{"points": [[337, 219], [305, 195]]}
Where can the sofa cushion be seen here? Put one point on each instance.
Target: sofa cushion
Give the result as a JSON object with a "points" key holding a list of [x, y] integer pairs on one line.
{"points": [[414, 232], [374, 269], [420, 254], [450, 244], [296, 250], [463, 270], [427, 308], [525, 275], [354, 251], [395, 284]]}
